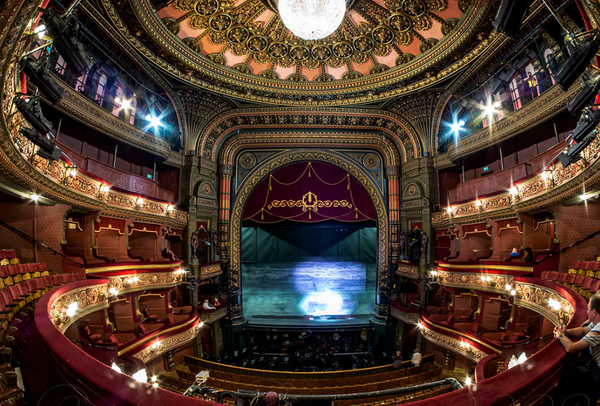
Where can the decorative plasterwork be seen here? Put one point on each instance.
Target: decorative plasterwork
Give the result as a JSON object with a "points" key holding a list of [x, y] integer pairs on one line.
{"points": [[203, 72], [488, 282], [163, 345], [88, 299], [75, 105], [408, 271], [210, 270], [143, 281], [216, 315], [323, 123], [253, 30], [554, 186], [300, 155], [453, 344]]}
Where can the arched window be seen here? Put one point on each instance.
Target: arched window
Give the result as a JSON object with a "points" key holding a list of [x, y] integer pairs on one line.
{"points": [[119, 95], [100, 88]]}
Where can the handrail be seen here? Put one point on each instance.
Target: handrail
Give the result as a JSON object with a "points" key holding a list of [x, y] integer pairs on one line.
{"points": [[28, 237], [592, 235]]}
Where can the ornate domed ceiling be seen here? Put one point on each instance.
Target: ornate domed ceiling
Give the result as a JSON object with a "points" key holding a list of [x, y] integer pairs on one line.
{"points": [[240, 48]]}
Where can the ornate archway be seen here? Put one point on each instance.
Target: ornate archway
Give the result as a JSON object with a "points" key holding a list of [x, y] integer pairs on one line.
{"points": [[300, 155]]}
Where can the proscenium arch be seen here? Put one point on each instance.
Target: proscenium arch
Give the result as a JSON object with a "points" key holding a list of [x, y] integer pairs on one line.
{"points": [[306, 155]]}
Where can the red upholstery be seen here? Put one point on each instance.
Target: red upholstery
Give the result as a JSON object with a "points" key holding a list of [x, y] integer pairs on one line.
{"points": [[553, 276], [595, 285], [562, 277], [48, 281], [587, 283], [545, 275], [579, 280], [571, 278], [7, 254], [13, 270], [595, 265], [4, 271], [576, 265], [57, 280]]}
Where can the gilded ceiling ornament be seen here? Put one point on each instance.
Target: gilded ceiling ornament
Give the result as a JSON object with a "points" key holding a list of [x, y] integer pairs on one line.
{"points": [[217, 37], [299, 52], [257, 43], [449, 25], [172, 24], [242, 67], [435, 6], [427, 44], [217, 58], [324, 77], [206, 7], [351, 74], [321, 53], [380, 67], [220, 22], [400, 22], [193, 43], [402, 39], [363, 44], [198, 22]]}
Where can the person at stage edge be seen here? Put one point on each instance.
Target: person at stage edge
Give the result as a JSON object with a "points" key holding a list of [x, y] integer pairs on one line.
{"points": [[582, 377]]}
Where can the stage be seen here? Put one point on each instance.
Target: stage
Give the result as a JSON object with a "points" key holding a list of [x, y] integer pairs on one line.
{"points": [[315, 293]]}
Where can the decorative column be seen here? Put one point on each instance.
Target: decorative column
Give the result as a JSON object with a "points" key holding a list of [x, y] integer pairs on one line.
{"points": [[394, 211], [234, 294]]}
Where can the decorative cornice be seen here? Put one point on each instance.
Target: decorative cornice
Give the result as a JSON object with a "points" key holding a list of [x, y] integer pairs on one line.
{"points": [[453, 344], [164, 344], [142, 281]]}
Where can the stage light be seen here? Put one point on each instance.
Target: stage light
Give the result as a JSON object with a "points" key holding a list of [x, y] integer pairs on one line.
{"points": [[573, 154], [449, 210], [514, 191], [477, 203], [584, 97], [35, 197], [47, 149], [154, 121], [457, 126], [577, 63], [64, 33], [491, 108], [33, 114], [105, 189], [468, 380], [419, 325], [40, 30], [43, 80]]}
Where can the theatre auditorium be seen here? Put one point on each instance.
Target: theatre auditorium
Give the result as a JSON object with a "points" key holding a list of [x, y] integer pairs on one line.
{"points": [[296, 202]]}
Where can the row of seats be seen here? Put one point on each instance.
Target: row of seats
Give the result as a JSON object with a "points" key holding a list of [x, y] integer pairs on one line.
{"points": [[396, 400], [312, 382], [583, 285], [21, 285], [586, 268]]}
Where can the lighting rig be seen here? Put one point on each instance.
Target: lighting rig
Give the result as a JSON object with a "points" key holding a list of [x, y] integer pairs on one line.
{"points": [[31, 112], [581, 137]]}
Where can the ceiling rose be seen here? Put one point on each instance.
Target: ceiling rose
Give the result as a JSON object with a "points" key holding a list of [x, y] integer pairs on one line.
{"points": [[312, 19]]}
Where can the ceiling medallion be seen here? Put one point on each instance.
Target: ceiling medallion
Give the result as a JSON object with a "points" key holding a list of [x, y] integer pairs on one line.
{"points": [[312, 19]]}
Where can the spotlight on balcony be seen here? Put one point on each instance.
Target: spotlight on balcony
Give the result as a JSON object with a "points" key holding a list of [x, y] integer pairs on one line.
{"points": [[64, 35], [42, 79], [577, 63], [585, 96]]}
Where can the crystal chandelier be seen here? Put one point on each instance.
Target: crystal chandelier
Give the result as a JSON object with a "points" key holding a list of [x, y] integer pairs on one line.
{"points": [[312, 19]]}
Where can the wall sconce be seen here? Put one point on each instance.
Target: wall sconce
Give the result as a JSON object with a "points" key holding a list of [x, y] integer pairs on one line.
{"points": [[72, 309], [478, 205], [514, 191], [139, 203], [169, 209], [449, 210], [114, 291]]}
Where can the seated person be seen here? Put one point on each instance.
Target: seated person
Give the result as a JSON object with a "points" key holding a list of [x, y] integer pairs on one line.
{"points": [[528, 255], [515, 252], [207, 306]]}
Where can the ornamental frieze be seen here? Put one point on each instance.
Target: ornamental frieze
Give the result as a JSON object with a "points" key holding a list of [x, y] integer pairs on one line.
{"points": [[164, 344], [67, 308], [140, 281], [453, 344]]}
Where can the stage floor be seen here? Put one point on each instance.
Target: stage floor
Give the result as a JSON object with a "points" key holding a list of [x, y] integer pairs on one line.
{"points": [[308, 294]]}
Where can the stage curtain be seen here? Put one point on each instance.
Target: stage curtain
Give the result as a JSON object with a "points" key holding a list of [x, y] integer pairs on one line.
{"points": [[309, 192], [291, 244]]}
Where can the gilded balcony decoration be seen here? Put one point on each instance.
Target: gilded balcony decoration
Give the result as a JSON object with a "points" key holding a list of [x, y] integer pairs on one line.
{"points": [[76, 303], [161, 345], [457, 345]]}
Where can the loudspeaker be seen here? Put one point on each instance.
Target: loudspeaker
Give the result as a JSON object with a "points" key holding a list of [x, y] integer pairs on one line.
{"points": [[576, 64], [510, 16]]}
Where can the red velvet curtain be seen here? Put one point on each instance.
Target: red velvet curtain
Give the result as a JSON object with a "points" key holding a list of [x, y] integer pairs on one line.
{"points": [[309, 192]]}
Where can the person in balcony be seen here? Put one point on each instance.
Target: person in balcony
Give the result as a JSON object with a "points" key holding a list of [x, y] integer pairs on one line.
{"points": [[581, 379], [416, 358], [397, 360], [207, 306], [514, 252], [528, 255]]}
